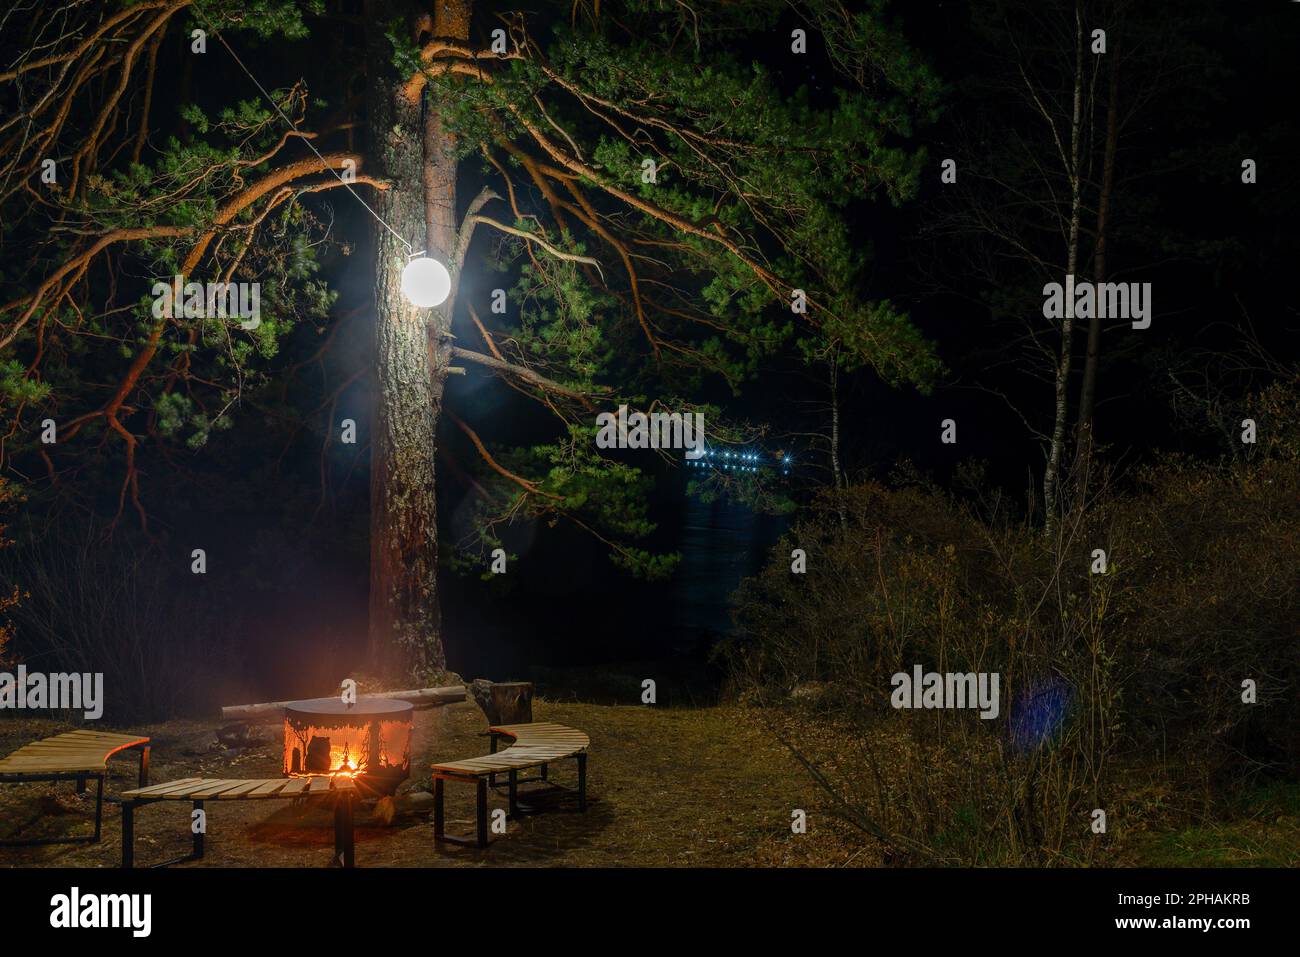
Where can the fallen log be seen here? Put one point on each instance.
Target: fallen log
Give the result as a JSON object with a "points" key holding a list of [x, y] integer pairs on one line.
{"points": [[274, 710]]}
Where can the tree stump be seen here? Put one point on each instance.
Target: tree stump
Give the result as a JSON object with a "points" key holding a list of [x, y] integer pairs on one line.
{"points": [[504, 702]]}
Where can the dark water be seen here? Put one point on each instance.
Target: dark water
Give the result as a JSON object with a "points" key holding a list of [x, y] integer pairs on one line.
{"points": [[581, 612], [720, 544]]}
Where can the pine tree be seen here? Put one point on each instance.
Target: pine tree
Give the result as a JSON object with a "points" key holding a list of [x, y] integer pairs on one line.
{"points": [[644, 180]]}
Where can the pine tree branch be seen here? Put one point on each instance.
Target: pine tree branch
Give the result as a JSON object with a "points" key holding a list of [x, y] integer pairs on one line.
{"points": [[524, 234], [497, 466], [501, 365], [466, 232]]}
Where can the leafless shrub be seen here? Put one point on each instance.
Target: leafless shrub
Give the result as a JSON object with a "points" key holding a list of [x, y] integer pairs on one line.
{"points": [[98, 603], [1139, 668]]}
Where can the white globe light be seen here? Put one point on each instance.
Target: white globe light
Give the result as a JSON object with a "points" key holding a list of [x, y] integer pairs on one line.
{"points": [[426, 282]]}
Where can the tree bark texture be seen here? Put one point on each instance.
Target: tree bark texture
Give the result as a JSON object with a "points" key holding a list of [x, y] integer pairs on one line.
{"points": [[416, 155]]}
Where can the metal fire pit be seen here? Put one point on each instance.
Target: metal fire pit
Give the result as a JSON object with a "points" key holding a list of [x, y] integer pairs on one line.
{"points": [[369, 741]]}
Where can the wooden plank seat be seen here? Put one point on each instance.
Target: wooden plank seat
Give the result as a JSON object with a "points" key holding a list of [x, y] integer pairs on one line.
{"points": [[342, 790], [75, 756], [534, 745]]}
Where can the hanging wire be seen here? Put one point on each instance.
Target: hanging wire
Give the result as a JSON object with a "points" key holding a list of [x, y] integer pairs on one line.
{"points": [[293, 126]]}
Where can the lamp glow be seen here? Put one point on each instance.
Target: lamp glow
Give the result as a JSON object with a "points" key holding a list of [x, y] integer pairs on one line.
{"points": [[426, 282]]}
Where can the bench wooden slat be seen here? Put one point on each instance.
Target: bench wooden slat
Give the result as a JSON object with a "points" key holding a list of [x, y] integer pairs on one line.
{"points": [[212, 788], [541, 743], [34, 762], [159, 790], [95, 739], [516, 761], [239, 789], [54, 758], [536, 727], [236, 789], [42, 754], [61, 741], [269, 788], [72, 751], [53, 753], [554, 755], [242, 789], [551, 743], [531, 745], [532, 726], [50, 747]]}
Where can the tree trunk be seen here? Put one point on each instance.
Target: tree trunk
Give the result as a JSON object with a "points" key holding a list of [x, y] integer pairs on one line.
{"points": [[835, 437], [410, 359], [1051, 475], [1088, 391], [835, 422]]}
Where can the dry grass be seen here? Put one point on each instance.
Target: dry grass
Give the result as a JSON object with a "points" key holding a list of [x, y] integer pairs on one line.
{"points": [[669, 787]]}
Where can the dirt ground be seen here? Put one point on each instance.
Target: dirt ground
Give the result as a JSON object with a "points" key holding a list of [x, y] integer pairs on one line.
{"points": [[701, 787]]}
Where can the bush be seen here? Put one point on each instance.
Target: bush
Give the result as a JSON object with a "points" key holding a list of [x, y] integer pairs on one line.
{"points": [[13, 595], [104, 603], [1107, 680]]}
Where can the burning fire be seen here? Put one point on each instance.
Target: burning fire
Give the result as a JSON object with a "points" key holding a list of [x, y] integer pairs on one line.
{"points": [[340, 763], [346, 750]]}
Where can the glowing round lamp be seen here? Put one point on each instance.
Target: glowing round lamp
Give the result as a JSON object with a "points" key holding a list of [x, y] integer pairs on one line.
{"points": [[426, 282]]}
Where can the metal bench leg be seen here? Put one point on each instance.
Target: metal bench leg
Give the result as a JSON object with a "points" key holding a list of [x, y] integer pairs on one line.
{"points": [[198, 835], [144, 766], [439, 811], [582, 782], [128, 834], [81, 784], [344, 834], [493, 737], [543, 772], [99, 806], [514, 793], [482, 813]]}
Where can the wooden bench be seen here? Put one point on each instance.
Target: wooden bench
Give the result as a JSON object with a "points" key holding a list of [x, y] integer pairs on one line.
{"points": [[79, 756], [198, 790], [535, 745]]}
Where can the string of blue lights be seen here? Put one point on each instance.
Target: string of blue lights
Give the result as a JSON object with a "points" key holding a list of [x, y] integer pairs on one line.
{"points": [[740, 461]]}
